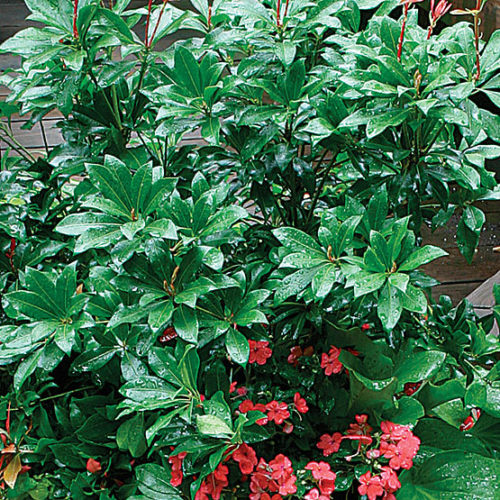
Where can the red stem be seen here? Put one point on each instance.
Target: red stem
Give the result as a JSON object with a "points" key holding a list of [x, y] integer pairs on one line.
{"points": [[402, 35], [278, 15], [75, 15], [158, 22], [150, 5], [286, 7], [429, 32], [209, 20]]}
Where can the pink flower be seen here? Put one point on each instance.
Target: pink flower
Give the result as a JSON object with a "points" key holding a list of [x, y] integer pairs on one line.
{"points": [[277, 412], [370, 486], [399, 445], [330, 443], [330, 362], [282, 473], [323, 474], [300, 403], [259, 352], [314, 494]]}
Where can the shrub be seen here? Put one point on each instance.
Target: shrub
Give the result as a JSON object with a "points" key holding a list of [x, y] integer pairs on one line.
{"points": [[244, 316]]}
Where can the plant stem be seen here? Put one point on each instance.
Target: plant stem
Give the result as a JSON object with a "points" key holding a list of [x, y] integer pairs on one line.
{"points": [[75, 15], [286, 7], [158, 22], [150, 5], [139, 84], [278, 14], [477, 21], [402, 35], [317, 194]]}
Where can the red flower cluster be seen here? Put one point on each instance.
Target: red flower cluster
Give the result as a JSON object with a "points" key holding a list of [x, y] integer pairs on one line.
{"points": [[259, 351], [330, 362], [365, 326], [176, 462], [213, 484], [246, 458], [399, 445], [296, 353], [383, 485], [277, 411], [322, 473], [273, 477]]}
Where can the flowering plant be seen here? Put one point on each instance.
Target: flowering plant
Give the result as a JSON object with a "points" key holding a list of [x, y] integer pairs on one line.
{"points": [[246, 317]]}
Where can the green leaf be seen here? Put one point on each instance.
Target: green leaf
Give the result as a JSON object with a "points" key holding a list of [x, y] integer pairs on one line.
{"points": [[384, 120], [298, 241], [154, 484], [389, 307], [211, 425], [237, 346], [130, 436], [422, 256], [160, 313], [26, 368], [451, 475], [324, 280], [368, 282], [418, 366], [414, 300], [186, 323]]}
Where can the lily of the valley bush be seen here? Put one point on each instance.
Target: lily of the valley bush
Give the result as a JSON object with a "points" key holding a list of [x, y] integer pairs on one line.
{"points": [[245, 316]]}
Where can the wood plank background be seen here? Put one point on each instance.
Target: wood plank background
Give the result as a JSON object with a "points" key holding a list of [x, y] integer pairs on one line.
{"points": [[458, 279]]}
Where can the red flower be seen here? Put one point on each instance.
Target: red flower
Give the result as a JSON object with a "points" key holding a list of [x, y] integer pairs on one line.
{"points": [[323, 474], [282, 473], [411, 388], [330, 362], [370, 486], [241, 391], [93, 466], [365, 326], [314, 494], [232, 387], [168, 335], [467, 424], [214, 484], [300, 403], [246, 458], [471, 420], [261, 481], [330, 444], [259, 352], [361, 426], [176, 462], [246, 406], [295, 354], [399, 445], [389, 480], [277, 412], [288, 428]]}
